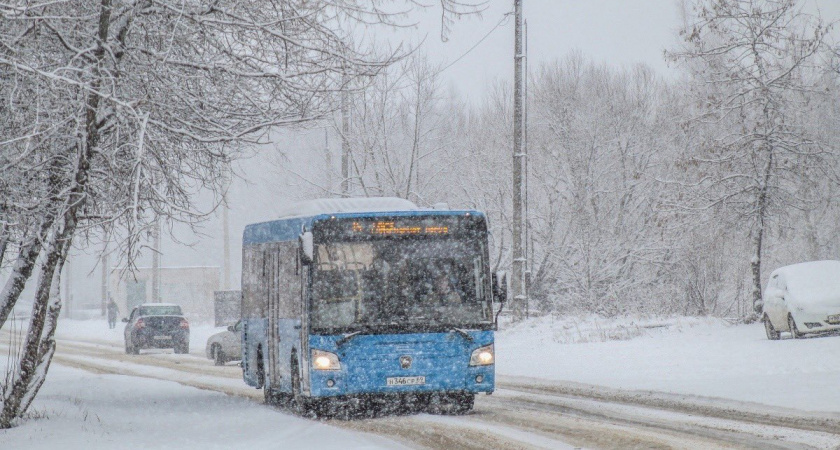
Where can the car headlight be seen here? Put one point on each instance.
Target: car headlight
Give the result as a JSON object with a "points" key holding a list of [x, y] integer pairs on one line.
{"points": [[483, 356], [322, 360]]}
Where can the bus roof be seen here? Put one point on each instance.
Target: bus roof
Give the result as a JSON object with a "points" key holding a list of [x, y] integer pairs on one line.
{"points": [[290, 227]]}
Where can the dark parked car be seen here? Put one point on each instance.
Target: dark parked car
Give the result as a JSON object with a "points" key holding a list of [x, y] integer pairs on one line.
{"points": [[157, 325]]}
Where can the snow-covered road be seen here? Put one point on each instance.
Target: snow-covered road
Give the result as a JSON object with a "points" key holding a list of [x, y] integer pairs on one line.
{"points": [[523, 413]]}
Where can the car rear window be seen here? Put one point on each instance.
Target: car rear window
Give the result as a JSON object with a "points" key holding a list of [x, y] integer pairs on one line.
{"points": [[163, 310]]}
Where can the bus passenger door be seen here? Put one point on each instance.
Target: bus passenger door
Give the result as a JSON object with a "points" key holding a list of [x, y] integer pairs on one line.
{"points": [[270, 356], [303, 325], [253, 334]]}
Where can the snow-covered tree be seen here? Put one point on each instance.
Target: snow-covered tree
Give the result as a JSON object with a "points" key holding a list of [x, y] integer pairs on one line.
{"points": [[755, 69], [598, 138], [116, 112]]}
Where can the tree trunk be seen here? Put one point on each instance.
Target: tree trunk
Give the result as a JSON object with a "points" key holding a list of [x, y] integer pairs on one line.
{"points": [[758, 237], [4, 242], [46, 348], [25, 262], [755, 268], [31, 358]]}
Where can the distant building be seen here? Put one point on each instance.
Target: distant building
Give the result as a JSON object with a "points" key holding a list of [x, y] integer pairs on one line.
{"points": [[190, 287]]}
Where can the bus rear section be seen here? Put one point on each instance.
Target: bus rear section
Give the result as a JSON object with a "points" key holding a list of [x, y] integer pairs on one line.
{"points": [[391, 307]]}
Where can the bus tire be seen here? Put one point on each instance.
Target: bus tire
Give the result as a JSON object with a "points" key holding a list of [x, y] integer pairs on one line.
{"points": [[299, 402], [269, 396], [463, 404], [260, 369], [451, 404]]}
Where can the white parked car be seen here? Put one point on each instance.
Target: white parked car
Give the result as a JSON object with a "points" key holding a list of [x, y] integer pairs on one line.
{"points": [[225, 346], [802, 298]]}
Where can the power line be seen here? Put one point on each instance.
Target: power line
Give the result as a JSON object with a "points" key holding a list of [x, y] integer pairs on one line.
{"points": [[501, 22]]}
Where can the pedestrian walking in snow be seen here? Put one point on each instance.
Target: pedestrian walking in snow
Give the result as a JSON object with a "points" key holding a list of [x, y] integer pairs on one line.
{"points": [[112, 314]]}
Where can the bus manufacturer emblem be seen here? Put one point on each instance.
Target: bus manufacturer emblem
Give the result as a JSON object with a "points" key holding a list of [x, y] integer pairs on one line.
{"points": [[405, 362]]}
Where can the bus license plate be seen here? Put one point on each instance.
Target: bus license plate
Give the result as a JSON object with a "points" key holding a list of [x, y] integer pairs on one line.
{"points": [[405, 381], [161, 338]]}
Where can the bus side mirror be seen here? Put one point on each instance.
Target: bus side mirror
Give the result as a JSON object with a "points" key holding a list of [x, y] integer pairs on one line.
{"points": [[307, 248], [500, 286]]}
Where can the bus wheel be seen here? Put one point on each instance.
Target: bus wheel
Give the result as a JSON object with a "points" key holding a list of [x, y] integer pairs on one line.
{"points": [[463, 403], [451, 404], [299, 402], [260, 369], [269, 397]]}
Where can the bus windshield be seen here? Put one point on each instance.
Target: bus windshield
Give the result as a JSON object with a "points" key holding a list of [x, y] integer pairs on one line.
{"points": [[405, 285]]}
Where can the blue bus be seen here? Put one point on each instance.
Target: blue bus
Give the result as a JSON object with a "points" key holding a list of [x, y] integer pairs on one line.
{"points": [[369, 300]]}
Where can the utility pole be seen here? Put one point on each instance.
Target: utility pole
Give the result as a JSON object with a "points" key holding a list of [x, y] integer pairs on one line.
{"points": [[226, 233], [68, 274], [156, 264], [105, 272], [517, 281], [345, 145], [529, 245], [327, 156]]}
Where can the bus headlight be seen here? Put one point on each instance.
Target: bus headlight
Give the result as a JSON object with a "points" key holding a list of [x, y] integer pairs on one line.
{"points": [[322, 360], [483, 356]]}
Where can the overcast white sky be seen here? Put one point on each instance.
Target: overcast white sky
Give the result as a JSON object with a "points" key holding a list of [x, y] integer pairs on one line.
{"points": [[616, 32]]}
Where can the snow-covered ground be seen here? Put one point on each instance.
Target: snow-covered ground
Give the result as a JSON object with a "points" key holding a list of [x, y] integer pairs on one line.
{"points": [[80, 410], [76, 409], [707, 357]]}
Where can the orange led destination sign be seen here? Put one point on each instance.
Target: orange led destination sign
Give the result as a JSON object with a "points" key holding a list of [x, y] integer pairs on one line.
{"points": [[389, 228]]}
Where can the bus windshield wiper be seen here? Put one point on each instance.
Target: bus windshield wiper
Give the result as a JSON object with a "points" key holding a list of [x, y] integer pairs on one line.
{"points": [[462, 333], [346, 337]]}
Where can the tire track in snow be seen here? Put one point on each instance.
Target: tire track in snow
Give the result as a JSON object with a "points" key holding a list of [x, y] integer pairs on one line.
{"points": [[589, 423], [405, 429], [532, 408], [687, 404]]}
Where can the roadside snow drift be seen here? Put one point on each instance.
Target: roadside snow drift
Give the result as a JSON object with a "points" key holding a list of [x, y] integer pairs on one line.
{"points": [[79, 410], [706, 357]]}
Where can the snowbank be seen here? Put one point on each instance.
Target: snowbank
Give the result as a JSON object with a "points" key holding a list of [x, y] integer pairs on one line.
{"points": [[80, 410], [705, 357]]}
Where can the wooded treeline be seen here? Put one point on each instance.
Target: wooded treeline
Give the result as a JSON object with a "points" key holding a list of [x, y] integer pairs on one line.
{"points": [[646, 195]]}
